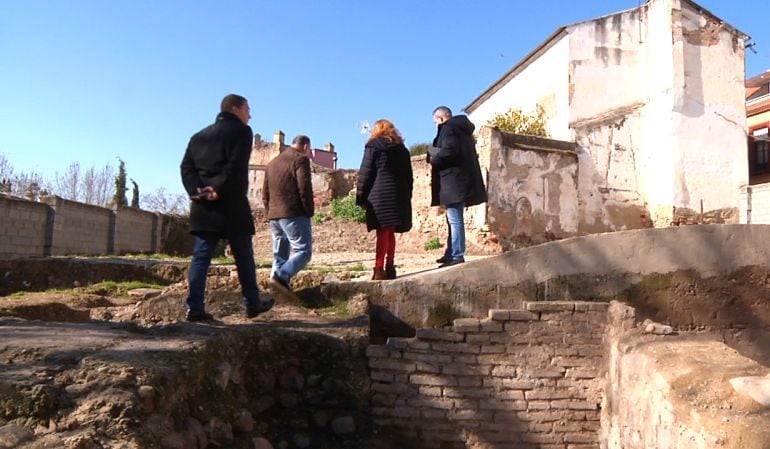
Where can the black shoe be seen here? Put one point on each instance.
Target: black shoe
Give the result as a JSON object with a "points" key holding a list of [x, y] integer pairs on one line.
{"points": [[281, 287], [193, 316], [452, 262], [443, 259], [263, 307]]}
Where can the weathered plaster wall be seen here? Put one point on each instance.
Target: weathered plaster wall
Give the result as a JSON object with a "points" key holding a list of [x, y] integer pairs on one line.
{"points": [[532, 188], [542, 82], [709, 159], [655, 104]]}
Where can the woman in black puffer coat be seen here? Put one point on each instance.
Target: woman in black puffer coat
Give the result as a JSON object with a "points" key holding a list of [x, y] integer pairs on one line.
{"points": [[384, 189]]}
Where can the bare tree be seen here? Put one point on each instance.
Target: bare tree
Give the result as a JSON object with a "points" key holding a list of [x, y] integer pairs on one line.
{"points": [[96, 185], [6, 169], [166, 202], [67, 184], [21, 182]]}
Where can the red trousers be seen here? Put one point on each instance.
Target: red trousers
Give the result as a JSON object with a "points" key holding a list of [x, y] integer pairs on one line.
{"points": [[386, 247]]}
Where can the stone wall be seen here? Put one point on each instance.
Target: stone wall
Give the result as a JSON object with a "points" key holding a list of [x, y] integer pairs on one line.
{"points": [[531, 376], [135, 231], [24, 227]]}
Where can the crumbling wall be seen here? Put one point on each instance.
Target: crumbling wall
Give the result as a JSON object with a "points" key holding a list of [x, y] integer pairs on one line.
{"points": [[533, 194], [671, 392]]}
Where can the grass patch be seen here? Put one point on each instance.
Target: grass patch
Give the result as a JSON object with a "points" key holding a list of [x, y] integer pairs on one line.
{"points": [[432, 244], [346, 209], [338, 307], [116, 289], [319, 217]]}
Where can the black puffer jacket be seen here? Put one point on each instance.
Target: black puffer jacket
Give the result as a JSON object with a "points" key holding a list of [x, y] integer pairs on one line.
{"points": [[384, 185], [218, 156], [455, 171]]}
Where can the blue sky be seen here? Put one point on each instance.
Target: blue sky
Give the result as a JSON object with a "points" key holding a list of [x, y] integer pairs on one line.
{"points": [[91, 81]]}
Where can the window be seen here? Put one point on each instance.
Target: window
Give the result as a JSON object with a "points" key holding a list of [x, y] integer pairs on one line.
{"points": [[760, 160]]}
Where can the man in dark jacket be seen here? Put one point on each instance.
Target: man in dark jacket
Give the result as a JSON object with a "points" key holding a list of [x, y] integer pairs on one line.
{"points": [[456, 180], [288, 198], [215, 172]]}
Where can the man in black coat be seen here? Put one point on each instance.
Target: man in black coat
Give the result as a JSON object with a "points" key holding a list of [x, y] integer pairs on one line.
{"points": [[456, 180], [215, 172]]}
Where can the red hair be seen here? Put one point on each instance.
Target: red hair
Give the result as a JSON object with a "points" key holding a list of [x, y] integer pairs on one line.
{"points": [[386, 128]]}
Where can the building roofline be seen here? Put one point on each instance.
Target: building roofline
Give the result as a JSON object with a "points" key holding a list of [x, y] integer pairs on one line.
{"points": [[551, 40], [534, 54]]}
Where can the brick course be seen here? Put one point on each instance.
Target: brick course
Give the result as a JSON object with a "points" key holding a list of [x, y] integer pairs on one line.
{"points": [[531, 376]]}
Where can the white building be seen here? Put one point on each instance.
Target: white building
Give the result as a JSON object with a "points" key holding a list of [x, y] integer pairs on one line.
{"points": [[654, 99]]}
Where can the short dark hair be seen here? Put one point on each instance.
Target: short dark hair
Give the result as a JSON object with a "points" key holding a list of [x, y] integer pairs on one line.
{"points": [[301, 140], [443, 111], [232, 101]]}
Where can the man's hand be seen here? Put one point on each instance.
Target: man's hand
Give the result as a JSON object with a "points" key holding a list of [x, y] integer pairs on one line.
{"points": [[205, 194]]}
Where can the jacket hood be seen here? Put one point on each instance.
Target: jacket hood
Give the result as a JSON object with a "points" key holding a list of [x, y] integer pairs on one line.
{"points": [[461, 123]]}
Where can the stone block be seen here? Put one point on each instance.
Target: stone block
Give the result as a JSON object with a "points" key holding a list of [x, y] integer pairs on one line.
{"points": [[466, 325], [550, 306], [432, 334]]}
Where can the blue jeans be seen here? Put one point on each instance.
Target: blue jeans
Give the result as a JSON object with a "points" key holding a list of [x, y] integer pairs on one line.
{"points": [[455, 240], [291, 234], [199, 267]]}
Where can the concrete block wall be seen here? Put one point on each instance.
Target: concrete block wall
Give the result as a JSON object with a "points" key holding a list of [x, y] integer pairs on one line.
{"points": [[525, 378], [23, 224], [79, 228], [134, 231]]}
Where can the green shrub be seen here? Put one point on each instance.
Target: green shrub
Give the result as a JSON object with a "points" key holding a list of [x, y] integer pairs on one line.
{"points": [[515, 121], [432, 244], [319, 217], [346, 209]]}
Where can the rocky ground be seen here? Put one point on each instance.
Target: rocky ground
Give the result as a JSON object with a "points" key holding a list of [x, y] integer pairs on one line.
{"points": [[84, 367]]}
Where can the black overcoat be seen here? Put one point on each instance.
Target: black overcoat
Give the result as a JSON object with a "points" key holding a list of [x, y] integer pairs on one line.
{"points": [[384, 185], [218, 156], [455, 170]]}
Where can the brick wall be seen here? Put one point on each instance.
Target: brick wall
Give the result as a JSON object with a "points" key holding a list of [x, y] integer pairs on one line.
{"points": [[135, 231], [23, 225], [530, 378]]}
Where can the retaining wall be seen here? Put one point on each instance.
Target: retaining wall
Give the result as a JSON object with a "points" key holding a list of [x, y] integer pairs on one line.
{"points": [[531, 377]]}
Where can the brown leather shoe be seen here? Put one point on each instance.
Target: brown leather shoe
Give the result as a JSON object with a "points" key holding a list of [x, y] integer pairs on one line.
{"points": [[379, 275], [390, 271]]}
